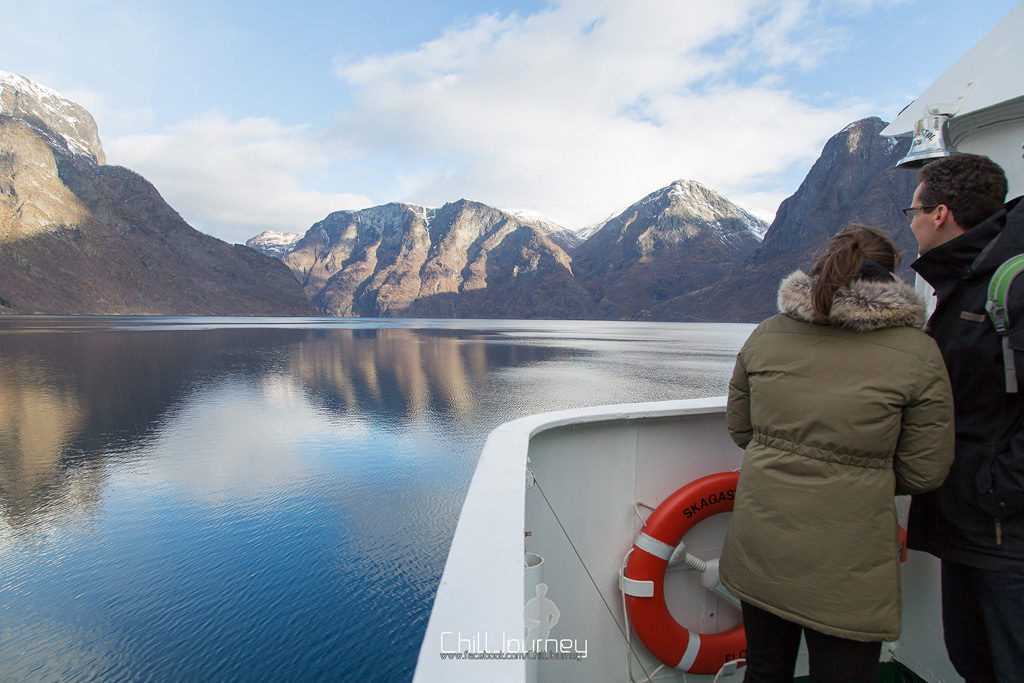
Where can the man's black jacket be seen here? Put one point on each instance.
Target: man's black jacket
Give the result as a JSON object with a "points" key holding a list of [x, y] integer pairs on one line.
{"points": [[977, 516]]}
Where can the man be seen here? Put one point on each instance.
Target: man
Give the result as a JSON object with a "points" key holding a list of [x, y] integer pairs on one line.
{"points": [[975, 521]]}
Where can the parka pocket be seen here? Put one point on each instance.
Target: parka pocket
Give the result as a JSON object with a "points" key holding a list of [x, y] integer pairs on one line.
{"points": [[1000, 493], [987, 497]]}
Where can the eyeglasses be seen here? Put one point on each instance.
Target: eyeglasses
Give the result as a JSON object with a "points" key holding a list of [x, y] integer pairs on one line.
{"points": [[909, 211]]}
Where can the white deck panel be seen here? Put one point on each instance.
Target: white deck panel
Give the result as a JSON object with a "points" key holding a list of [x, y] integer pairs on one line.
{"points": [[480, 590]]}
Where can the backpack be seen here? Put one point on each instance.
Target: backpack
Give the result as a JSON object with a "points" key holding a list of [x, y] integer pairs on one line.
{"points": [[998, 291]]}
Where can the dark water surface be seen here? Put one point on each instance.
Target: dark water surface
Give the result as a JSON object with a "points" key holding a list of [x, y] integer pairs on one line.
{"points": [[225, 499]]}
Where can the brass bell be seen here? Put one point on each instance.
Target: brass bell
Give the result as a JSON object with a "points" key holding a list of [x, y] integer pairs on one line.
{"points": [[929, 141]]}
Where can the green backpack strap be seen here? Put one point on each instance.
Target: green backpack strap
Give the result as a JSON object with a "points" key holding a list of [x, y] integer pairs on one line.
{"points": [[998, 311]]}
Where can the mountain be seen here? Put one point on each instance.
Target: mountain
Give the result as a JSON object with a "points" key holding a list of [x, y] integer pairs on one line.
{"points": [[77, 236], [679, 239], [463, 260], [274, 244], [854, 180]]}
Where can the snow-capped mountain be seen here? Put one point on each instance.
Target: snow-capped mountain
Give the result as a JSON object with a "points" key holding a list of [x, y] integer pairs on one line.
{"points": [[704, 207], [275, 244], [68, 122], [678, 239]]}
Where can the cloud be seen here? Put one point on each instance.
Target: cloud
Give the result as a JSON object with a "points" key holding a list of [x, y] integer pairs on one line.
{"points": [[235, 178], [583, 108]]}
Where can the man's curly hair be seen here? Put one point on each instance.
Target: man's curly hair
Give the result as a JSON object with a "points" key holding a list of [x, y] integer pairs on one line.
{"points": [[972, 186]]}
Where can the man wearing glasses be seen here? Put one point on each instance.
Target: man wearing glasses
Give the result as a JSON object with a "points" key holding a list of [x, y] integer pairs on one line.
{"points": [[975, 522]]}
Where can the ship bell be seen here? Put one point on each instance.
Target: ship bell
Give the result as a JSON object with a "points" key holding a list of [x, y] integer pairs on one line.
{"points": [[929, 141]]}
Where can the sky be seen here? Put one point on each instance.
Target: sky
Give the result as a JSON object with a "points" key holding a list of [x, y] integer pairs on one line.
{"points": [[252, 116]]}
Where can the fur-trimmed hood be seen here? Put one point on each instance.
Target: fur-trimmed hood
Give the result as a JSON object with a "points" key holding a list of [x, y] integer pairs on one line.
{"points": [[864, 305]]}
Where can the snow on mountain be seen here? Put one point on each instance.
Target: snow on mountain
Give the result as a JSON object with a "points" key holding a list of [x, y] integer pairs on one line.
{"points": [[24, 99], [559, 234], [535, 218], [275, 244], [585, 232], [700, 201]]}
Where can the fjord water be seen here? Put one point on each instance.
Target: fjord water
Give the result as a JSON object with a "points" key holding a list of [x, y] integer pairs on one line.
{"points": [[199, 499]]}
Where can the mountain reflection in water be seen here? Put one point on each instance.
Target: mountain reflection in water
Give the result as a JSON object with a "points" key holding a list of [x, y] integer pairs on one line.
{"points": [[239, 499]]}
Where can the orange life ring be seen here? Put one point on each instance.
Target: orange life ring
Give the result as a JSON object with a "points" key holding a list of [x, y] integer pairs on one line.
{"points": [[661, 634]]}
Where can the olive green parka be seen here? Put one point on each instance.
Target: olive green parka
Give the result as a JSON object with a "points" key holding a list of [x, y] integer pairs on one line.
{"points": [[836, 419]]}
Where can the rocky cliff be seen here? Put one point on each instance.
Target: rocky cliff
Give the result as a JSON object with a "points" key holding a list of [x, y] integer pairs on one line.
{"points": [[80, 237]]}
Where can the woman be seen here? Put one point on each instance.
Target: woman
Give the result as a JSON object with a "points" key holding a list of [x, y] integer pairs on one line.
{"points": [[841, 402]]}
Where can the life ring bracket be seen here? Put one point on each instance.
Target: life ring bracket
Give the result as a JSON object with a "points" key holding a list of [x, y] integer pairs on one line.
{"points": [[635, 589]]}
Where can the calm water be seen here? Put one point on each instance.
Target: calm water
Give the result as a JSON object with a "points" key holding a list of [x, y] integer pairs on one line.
{"points": [[198, 499]]}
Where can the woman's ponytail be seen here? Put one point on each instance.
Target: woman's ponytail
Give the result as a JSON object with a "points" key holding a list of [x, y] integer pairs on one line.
{"points": [[844, 259]]}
